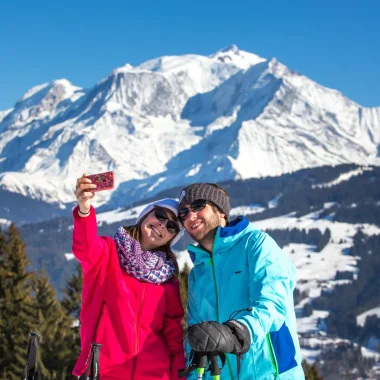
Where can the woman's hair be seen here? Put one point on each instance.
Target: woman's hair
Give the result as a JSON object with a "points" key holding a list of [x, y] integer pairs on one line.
{"points": [[134, 232]]}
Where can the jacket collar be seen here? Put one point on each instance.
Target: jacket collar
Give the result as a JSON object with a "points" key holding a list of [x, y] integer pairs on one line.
{"points": [[225, 238]]}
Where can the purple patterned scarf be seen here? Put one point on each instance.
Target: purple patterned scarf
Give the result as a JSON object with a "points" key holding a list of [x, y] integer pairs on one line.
{"points": [[149, 266]]}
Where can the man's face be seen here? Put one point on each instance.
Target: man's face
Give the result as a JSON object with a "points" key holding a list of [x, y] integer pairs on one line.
{"points": [[199, 223]]}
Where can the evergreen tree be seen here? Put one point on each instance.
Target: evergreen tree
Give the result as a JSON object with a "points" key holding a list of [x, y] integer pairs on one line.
{"points": [[54, 326], [72, 293], [15, 304], [71, 303], [3, 272], [311, 371]]}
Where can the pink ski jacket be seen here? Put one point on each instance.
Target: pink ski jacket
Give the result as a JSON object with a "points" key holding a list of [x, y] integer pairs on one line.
{"points": [[137, 323]]}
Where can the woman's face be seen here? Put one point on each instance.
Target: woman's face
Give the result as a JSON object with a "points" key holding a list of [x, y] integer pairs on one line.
{"points": [[160, 226]]}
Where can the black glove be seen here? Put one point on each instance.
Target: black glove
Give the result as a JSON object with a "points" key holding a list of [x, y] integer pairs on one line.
{"points": [[210, 336], [242, 336], [213, 336]]}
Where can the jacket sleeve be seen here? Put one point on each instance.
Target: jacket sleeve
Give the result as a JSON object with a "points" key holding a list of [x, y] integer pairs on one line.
{"points": [[87, 246], [172, 328], [273, 278]]}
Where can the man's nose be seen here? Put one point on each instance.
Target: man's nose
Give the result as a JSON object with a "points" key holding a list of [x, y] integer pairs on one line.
{"points": [[193, 214]]}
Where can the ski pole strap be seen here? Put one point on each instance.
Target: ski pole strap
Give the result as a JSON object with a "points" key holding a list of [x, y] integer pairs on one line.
{"points": [[93, 370], [31, 357], [238, 358]]}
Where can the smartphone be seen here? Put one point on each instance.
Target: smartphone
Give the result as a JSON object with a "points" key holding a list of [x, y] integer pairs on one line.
{"points": [[103, 181]]}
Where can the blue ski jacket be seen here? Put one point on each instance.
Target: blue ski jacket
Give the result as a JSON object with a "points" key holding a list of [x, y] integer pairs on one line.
{"points": [[248, 275]]}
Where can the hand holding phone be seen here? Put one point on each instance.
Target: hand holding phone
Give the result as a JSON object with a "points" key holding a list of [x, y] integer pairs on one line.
{"points": [[103, 181]]}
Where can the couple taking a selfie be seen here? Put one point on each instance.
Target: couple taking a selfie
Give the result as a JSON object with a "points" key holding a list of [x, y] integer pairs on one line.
{"points": [[240, 292]]}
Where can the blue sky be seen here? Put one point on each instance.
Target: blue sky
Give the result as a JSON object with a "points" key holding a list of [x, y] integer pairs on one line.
{"points": [[335, 43]]}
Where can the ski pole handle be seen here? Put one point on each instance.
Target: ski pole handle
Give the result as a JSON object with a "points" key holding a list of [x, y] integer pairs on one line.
{"points": [[95, 370], [214, 365], [201, 365]]}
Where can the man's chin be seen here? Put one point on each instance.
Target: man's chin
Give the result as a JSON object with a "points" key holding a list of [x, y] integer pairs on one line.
{"points": [[197, 235]]}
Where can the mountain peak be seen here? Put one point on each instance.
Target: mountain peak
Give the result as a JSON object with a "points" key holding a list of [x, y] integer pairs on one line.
{"points": [[229, 48], [61, 84], [240, 58], [123, 69]]}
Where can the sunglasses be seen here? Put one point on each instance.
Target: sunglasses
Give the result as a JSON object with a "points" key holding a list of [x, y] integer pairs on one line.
{"points": [[161, 216], [195, 206]]}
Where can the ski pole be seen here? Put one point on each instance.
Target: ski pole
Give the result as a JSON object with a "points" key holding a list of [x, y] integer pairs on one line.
{"points": [[93, 371], [197, 362], [201, 365], [214, 366], [95, 347], [31, 357]]}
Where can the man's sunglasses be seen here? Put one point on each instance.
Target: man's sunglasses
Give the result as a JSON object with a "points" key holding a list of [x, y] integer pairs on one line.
{"points": [[195, 206], [161, 216]]}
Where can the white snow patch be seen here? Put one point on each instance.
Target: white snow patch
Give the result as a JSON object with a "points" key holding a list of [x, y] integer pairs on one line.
{"points": [[246, 210], [274, 202], [343, 177], [362, 317], [118, 215], [370, 354], [194, 170], [312, 323], [183, 258], [162, 179], [310, 354], [5, 222], [4, 113]]}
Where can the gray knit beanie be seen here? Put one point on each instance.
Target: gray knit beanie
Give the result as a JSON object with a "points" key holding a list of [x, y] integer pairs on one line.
{"points": [[208, 192]]}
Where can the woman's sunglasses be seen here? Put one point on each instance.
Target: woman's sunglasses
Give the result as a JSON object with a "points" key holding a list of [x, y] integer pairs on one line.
{"points": [[195, 206], [161, 216]]}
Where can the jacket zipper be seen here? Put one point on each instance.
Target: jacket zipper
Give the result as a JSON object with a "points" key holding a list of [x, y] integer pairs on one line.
{"points": [[216, 289], [217, 310], [272, 354], [136, 342]]}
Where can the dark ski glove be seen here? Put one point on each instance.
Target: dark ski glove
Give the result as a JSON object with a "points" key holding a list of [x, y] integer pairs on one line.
{"points": [[229, 337], [242, 336]]}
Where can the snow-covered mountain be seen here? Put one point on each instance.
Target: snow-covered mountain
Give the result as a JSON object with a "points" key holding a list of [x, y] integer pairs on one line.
{"points": [[175, 120]]}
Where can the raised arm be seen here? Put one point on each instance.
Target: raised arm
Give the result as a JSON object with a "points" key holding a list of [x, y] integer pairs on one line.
{"points": [[87, 246]]}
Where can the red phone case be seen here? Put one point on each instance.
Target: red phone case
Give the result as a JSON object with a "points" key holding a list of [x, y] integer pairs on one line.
{"points": [[103, 181]]}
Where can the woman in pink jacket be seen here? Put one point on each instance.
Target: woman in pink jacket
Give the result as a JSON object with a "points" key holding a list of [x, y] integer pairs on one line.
{"points": [[130, 299]]}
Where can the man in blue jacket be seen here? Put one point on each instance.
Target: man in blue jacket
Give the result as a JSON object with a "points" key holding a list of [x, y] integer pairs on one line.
{"points": [[240, 299]]}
